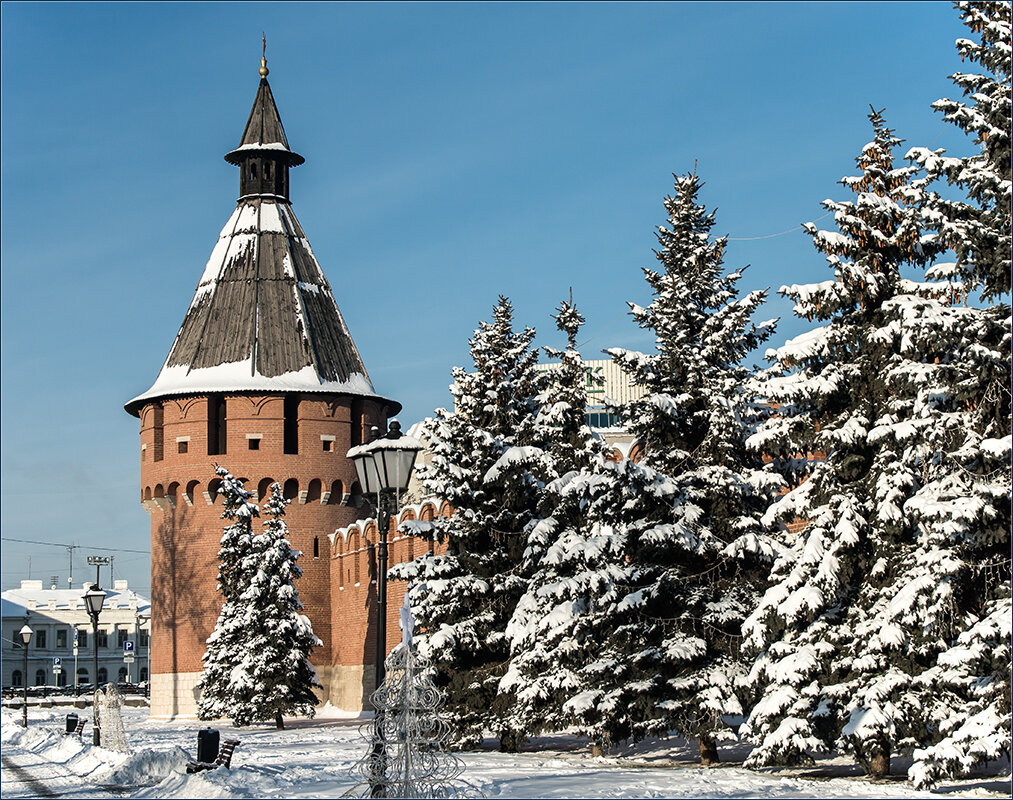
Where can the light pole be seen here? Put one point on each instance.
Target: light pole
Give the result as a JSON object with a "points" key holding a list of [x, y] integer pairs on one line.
{"points": [[93, 600], [384, 467], [26, 636]]}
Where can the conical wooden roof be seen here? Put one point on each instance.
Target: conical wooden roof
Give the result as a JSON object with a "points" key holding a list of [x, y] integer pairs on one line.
{"points": [[263, 317], [264, 131]]}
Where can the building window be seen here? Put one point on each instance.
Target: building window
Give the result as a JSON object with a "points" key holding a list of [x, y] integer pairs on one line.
{"points": [[82, 674], [40, 640], [291, 425], [40, 677], [253, 443], [316, 547], [16, 640], [102, 639], [103, 675], [143, 636], [182, 447], [144, 674], [16, 678], [61, 638], [121, 637], [217, 426], [122, 676], [82, 638], [61, 679], [158, 413], [328, 445]]}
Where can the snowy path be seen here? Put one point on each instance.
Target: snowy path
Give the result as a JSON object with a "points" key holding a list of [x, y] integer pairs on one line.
{"points": [[312, 758], [27, 774]]}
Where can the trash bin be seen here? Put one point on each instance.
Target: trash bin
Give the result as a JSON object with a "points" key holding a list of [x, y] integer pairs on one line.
{"points": [[72, 722], [207, 745]]}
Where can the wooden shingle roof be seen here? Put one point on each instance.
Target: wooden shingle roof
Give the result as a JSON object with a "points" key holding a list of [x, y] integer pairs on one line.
{"points": [[264, 131], [263, 317]]}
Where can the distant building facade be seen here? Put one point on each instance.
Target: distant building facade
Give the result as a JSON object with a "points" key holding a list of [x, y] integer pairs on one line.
{"points": [[56, 616]]}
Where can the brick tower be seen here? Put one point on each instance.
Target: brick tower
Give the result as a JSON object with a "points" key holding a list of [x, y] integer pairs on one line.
{"points": [[264, 379]]}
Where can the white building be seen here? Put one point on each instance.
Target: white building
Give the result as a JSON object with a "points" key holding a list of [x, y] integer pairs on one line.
{"points": [[58, 615]]}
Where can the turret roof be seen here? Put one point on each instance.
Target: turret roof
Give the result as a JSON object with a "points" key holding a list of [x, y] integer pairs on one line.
{"points": [[263, 317], [264, 130]]}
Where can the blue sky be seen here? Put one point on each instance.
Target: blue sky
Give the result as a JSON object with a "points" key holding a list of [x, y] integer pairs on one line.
{"points": [[454, 152]]}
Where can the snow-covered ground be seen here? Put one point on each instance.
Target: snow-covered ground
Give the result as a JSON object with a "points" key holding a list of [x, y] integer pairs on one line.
{"points": [[311, 758]]}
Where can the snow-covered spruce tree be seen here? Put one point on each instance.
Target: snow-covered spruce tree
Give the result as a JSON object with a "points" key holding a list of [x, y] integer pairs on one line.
{"points": [[257, 663], [689, 513], [967, 692], [573, 564], [977, 228], [225, 643], [895, 528], [273, 675], [464, 599]]}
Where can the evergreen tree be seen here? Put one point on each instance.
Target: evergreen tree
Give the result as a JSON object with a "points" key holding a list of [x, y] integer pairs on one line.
{"points": [[977, 228], [274, 675], [257, 663], [896, 526], [485, 463], [573, 564], [967, 692], [680, 531], [224, 649]]}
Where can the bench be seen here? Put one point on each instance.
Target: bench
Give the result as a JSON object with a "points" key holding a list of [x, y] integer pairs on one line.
{"points": [[78, 729], [224, 758]]}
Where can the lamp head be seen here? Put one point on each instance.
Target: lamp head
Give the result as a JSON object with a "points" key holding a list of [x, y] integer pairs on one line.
{"points": [[26, 634], [93, 600]]}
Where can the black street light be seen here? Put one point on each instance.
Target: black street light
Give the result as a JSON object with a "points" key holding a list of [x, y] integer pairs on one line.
{"points": [[384, 467], [93, 600], [26, 636]]}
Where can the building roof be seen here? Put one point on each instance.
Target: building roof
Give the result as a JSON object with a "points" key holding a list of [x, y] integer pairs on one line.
{"points": [[264, 130], [263, 318], [31, 597]]}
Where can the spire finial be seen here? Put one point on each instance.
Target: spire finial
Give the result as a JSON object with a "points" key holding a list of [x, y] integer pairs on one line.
{"points": [[263, 57]]}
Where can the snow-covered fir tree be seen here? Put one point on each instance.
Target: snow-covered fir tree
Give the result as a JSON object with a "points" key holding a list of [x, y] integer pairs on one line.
{"points": [[486, 456], [977, 227], [967, 692], [686, 520], [891, 525], [274, 676], [257, 664], [576, 567], [233, 577]]}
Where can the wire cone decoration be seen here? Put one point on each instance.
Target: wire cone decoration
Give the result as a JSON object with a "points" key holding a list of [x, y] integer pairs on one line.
{"points": [[406, 755]]}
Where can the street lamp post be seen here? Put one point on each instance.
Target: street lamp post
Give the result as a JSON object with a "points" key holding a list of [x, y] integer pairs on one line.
{"points": [[26, 636], [93, 600], [384, 467]]}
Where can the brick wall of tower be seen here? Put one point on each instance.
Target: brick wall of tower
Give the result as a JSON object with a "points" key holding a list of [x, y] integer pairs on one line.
{"points": [[354, 600], [186, 524]]}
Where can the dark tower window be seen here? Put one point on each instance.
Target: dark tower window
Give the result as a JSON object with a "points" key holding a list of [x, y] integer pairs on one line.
{"points": [[217, 425], [316, 547], [291, 425], [253, 171], [159, 447], [356, 432]]}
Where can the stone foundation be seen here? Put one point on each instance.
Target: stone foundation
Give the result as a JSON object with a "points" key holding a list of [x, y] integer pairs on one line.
{"points": [[174, 695]]}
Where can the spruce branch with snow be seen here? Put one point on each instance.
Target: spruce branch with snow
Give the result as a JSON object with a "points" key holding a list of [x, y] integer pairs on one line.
{"points": [[976, 228]]}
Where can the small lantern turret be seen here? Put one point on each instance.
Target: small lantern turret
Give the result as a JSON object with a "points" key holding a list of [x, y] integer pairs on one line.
{"points": [[263, 155]]}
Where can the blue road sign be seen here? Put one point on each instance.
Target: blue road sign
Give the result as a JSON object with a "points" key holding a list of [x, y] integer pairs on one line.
{"points": [[57, 661], [128, 646]]}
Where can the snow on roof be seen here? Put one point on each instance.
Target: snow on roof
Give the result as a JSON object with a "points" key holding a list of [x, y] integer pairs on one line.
{"points": [[263, 318], [32, 597]]}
